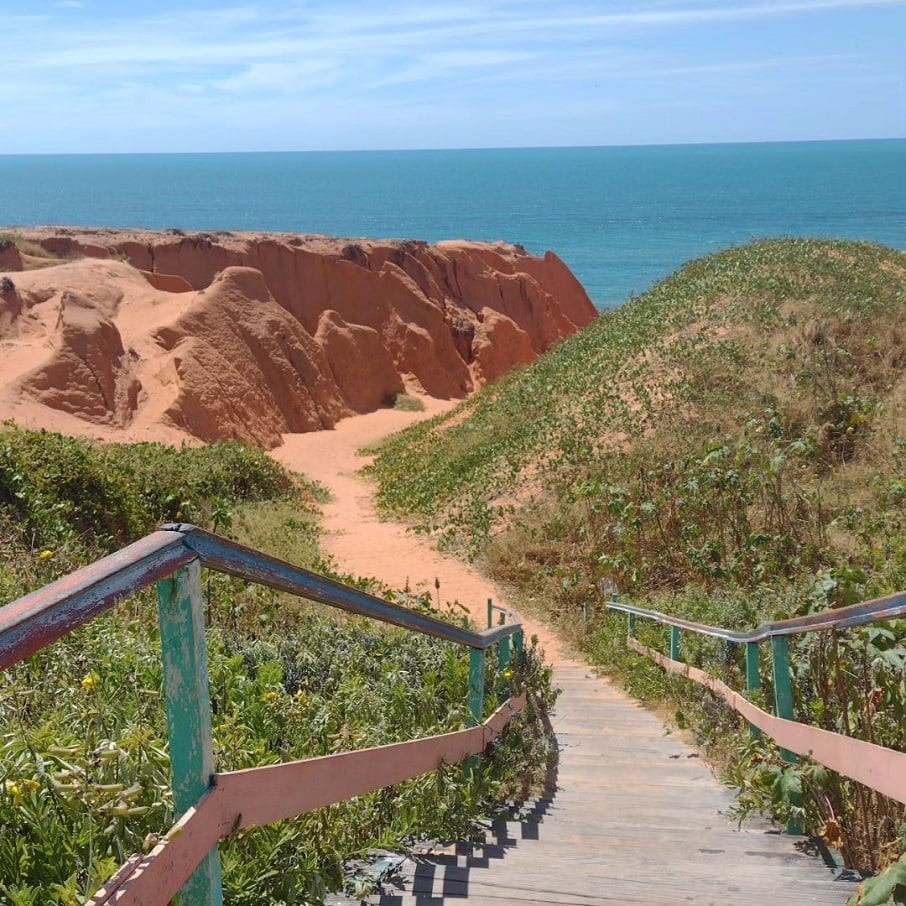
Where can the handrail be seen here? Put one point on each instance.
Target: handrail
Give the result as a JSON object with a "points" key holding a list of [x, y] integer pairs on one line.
{"points": [[880, 768], [40, 618], [172, 558], [887, 608], [226, 556], [259, 796]]}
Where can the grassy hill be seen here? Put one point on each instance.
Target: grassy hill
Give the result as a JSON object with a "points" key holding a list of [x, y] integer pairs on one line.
{"points": [[730, 445]]}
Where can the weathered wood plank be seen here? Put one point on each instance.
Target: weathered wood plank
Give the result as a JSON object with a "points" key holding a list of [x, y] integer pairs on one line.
{"points": [[881, 769], [38, 619], [258, 796], [632, 816]]}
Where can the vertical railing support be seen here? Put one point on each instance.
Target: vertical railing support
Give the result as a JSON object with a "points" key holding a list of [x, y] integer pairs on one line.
{"points": [[630, 625], [476, 686], [783, 703], [518, 642], [503, 648], [185, 663], [753, 677], [675, 643], [490, 613]]}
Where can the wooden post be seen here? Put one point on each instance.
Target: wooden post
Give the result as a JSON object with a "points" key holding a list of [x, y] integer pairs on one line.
{"points": [[503, 654], [783, 703], [476, 686], [185, 663], [674, 643], [503, 648], [753, 678], [490, 613]]}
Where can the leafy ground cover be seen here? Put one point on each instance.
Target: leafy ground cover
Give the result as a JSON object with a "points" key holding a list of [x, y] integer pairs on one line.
{"points": [[84, 763], [731, 447]]}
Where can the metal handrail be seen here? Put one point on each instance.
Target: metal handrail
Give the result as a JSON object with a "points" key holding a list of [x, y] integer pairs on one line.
{"points": [[172, 558], [887, 608]]}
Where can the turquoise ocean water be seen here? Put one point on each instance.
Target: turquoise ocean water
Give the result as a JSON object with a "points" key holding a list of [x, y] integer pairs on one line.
{"points": [[621, 218]]}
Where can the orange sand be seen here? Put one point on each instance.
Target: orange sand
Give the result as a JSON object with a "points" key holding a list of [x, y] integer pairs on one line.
{"points": [[363, 544]]}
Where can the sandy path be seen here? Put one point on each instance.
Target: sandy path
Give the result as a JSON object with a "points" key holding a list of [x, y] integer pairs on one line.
{"points": [[363, 544]]}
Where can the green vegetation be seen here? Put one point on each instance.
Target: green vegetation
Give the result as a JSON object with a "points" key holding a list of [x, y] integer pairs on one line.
{"points": [[407, 403], [25, 246], [731, 446], [84, 764]]}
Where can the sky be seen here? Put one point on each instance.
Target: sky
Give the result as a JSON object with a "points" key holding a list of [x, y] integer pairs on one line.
{"points": [[84, 76]]}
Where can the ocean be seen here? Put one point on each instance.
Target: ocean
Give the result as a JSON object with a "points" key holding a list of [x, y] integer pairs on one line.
{"points": [[621, 218]]}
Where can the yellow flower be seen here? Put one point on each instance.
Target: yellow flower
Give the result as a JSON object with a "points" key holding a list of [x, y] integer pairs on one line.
{"points": [[90, 681], [45, 555], [269, 696], [31, 786], [14, 790]]}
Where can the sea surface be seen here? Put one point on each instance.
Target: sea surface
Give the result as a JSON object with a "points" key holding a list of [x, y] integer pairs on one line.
{"points": [[621, 218]]}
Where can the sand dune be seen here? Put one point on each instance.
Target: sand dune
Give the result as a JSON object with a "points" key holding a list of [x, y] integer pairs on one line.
{"points": [[132, 335]]}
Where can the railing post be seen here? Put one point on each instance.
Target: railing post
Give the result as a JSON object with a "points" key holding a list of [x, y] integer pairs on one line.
{"points": [[476, 686], [503, 648], [783, 703], [753, 678], [518, 642], [490, 613], [674, 643], [185, 664]]}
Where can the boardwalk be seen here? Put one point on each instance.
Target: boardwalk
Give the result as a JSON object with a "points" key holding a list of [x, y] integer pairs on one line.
{"points": [[633, 816]]}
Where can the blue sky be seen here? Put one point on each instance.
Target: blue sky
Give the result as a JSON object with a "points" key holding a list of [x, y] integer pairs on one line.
{"points": [[200, 75]]}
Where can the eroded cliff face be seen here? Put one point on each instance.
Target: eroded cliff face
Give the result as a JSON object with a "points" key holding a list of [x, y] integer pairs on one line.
{"points": [[253, 336]]}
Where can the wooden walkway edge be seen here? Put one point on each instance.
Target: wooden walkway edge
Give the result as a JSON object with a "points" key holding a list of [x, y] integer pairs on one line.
{"points": [[633, 816]]}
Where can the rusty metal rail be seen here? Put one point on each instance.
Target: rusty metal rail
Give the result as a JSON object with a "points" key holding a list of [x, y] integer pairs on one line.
{"points": [[877, 767], [212, 805]]}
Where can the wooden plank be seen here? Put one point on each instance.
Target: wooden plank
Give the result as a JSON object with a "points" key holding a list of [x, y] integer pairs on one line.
{"points": [[631, 815], [258, 796], [185, 663], [38, 619], [229, 557], [874, 611], [881, 769]]}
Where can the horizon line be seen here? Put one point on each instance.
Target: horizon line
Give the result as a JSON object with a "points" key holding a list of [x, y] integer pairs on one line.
{"points": [[464, 148]]}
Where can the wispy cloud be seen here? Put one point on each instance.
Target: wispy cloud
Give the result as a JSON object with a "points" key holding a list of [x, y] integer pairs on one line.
{"points": [[173, 60]]}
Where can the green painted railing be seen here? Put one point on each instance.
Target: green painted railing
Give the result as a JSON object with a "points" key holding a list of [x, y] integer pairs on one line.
{"points": [[877, 767], [211, 806]]}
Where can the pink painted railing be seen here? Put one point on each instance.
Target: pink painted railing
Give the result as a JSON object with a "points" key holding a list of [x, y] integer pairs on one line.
{"points": [[212, 805], [877, 767]]}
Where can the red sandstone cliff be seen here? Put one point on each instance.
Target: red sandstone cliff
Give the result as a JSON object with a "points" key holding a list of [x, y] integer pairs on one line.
{"points": [[253, 336]]}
